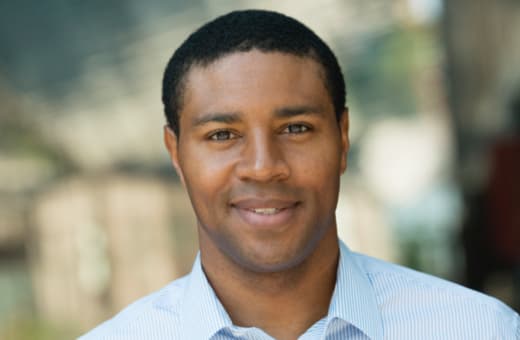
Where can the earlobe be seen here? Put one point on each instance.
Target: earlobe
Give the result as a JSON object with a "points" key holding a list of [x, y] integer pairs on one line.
{"points": [[345, 142], [171, 143]]}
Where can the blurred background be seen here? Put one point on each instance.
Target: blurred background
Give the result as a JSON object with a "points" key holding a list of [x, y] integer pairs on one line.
{"points": [[92, 215]]}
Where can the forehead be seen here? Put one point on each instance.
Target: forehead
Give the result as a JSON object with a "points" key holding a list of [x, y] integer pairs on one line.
{"points": [[254, 79]]}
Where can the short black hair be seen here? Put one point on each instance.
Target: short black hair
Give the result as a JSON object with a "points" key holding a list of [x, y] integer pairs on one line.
{"points": [[242, 31]]}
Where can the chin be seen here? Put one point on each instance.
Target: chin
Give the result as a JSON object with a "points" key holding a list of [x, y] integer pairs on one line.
{"points": [[272, 262]]}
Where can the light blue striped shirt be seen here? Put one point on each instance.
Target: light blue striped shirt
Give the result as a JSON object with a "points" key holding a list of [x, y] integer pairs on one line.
{"points": [[372, 299]]}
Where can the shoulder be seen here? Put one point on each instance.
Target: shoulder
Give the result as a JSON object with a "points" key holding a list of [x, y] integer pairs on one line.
{"points": [[155, 316], [414, 303]]}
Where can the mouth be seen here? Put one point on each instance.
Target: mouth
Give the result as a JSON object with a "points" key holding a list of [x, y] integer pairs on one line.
{"points": [[266, 211], [266, 214]]}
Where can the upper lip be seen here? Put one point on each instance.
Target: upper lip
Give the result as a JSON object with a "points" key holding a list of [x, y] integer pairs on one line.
{"points": [[259, 203]]}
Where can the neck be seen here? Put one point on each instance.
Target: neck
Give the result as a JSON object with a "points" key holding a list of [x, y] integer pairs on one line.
{"points": [[283, 304]]}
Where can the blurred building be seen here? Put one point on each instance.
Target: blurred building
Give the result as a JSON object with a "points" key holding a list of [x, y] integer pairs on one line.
{"points": [[482, 50]]}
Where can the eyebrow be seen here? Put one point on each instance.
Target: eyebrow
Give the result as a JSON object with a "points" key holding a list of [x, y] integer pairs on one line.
{"points": [[288, 112], [235, 117], [216, 117]]}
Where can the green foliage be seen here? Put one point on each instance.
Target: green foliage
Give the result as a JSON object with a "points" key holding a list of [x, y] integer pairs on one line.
{"points": [[381, 74]]}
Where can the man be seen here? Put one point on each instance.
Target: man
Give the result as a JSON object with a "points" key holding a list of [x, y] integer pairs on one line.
{"points": [[258, 133]]}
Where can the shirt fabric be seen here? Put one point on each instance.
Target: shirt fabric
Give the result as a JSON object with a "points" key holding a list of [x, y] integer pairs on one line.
{"points": [[372, 299]]}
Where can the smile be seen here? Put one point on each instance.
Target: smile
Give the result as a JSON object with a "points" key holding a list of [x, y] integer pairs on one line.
{"points": [[265, 211], [266, 214]]}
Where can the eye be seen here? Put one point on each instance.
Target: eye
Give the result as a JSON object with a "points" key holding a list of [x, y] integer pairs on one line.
{"points": [[296, 128], [222, 135]]}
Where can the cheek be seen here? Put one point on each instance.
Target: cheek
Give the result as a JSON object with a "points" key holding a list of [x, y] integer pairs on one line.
{"points": [[206, 173], [318, 163], [318, 169]]}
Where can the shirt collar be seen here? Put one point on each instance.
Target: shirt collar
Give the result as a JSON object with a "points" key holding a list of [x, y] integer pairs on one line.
{"points": [[202, 314], [354, 299]]}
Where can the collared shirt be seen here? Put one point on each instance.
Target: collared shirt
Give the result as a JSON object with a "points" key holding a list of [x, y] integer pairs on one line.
{"points": [[372, 299]]}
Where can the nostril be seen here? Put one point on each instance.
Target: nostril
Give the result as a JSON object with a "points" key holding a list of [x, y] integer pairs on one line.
{"points": [[263, 169]]}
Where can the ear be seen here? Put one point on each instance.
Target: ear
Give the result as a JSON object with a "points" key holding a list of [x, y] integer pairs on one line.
{"points": [[171, 143], [345, 143]]}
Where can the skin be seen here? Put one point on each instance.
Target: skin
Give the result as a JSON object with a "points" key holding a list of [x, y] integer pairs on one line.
{"points": [[260, 153]]}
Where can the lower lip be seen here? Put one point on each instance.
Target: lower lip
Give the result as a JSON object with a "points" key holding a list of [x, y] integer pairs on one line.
{"points": [[263, 221]]}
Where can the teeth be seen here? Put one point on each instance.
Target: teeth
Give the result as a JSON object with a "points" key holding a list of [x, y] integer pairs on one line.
{"points": [[266, 211]]}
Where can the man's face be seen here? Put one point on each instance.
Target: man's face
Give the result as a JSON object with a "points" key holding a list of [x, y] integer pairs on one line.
{"points": [[260, 153]]}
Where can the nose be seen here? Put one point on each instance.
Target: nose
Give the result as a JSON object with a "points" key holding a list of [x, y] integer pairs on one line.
{"points": [[263, 159]]}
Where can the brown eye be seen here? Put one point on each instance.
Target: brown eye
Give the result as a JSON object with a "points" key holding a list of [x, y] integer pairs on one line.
{"points": [[222, 135], [296, 128]]}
